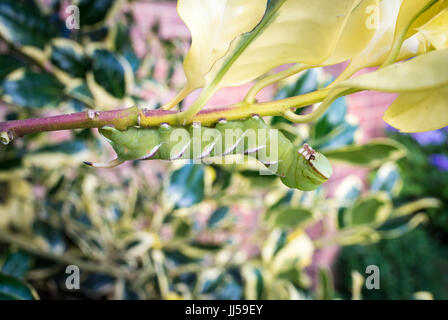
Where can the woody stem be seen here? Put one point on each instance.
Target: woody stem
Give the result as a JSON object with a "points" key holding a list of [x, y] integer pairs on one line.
{"points": [[125, 118]]}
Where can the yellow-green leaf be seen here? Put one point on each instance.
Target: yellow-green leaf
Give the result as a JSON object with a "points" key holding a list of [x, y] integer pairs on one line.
{"points": [[436, 30], [357, 33], [296, 254], [412, 14], [421, 73], [383, 19], [303, 31], [372, 154], [371, 209], [419, 111], [214, 24], [422, 104]]}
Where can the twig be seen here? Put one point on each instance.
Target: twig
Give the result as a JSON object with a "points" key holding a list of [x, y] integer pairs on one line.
{"points": [[125, 118]]}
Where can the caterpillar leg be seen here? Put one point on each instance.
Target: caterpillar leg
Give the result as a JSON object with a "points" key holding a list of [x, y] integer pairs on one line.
{"points": [[181, 152], [110, 164], [152, 153]]}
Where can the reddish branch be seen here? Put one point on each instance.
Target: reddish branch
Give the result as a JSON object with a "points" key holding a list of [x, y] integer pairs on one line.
{"points": [[125, 118], [122, 118]]}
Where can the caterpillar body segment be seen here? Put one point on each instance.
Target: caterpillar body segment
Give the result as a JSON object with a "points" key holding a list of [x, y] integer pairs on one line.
{"points": [[298, 167]]}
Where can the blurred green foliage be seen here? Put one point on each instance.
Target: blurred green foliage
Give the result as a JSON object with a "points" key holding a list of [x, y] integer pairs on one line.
{"points": [[409, 264], [421, 176], [417, 261]]}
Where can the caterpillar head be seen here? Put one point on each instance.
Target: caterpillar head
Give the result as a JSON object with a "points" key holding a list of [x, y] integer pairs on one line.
{"points": [[309, 169]]}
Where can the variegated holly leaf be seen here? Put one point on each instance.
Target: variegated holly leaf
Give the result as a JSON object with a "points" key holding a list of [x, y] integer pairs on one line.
{"points": [[297, 31], [372, 154], [22, 23], [357, 34], [69, 56], [296, 254], [12, 288], [213, 25], [382, 19], [291, 31], [415, 13], [422, 104], [95, 13], [29, 89], [419, 111], [371, 209], [412, 14], [420, 73], [436, 30]]}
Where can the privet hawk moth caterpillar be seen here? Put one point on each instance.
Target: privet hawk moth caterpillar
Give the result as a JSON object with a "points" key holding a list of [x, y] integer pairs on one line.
{"points": [[301, 168]]}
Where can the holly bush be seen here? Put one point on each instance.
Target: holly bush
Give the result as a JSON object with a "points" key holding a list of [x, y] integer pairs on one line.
{"points": [[187, 230]]}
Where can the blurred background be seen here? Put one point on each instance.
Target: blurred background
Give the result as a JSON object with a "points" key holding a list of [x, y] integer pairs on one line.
{"points": [[161, 230]]}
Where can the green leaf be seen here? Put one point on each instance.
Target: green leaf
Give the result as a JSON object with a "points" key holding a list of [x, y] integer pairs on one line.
{"points": [[296, 254], [290, 217], [331, 119], [253, 283], [69, 57], [372, 154], [401, 230], [349, 190], [53, 237], [82, 93], [12, 288], [182, 228], [371, 209], [16, 264], [333, 129], [275, 242], [186, 186], [22, 23], [306, 83], [7, 65], [33, 90], [325, 285], [109, 72], [217, 216], [387, 179], [93, 12], [54, 156], [210, 280], [68, 147], [340, 136], [416, 206]]}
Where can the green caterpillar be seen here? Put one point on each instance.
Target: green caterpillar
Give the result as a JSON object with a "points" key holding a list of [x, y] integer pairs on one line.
{"points": [[302, 168]]}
